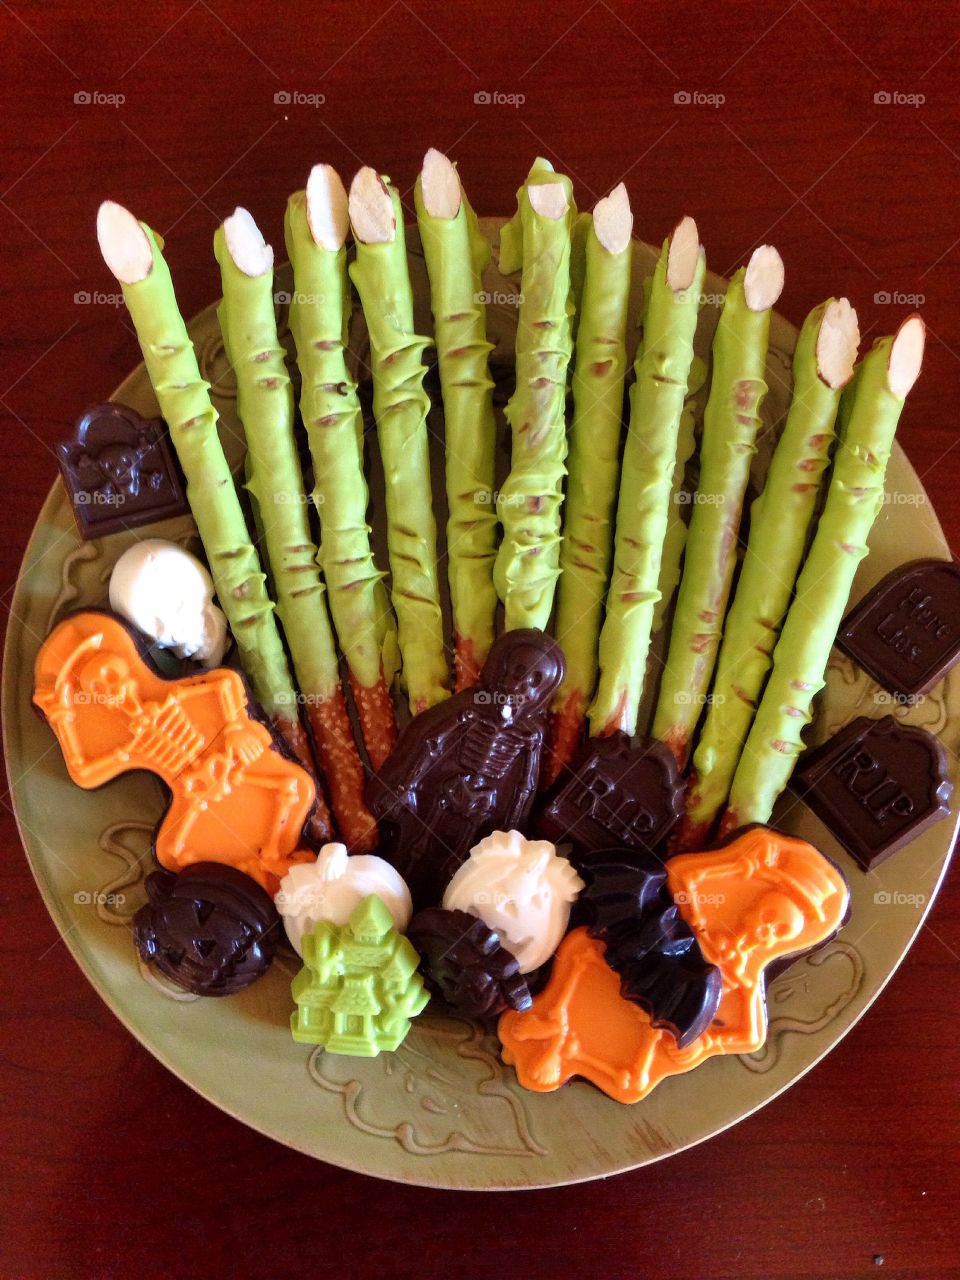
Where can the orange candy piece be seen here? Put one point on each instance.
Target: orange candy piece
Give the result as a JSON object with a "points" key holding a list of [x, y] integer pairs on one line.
{"points": [[580, 1025], [758, 898], [235, 798]]}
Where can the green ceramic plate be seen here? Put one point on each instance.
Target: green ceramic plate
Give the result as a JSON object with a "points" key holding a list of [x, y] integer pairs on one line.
{"points": [[442, 1111]]}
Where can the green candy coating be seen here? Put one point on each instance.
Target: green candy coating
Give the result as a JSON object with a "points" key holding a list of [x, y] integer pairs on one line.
{"points": [[779, 521], [528, 505], [456, 254], [657, 398], [854, 499], [400, 406], [594, 461], [274, 479], [675, 538], [730, 425], [359, 986], [333, 421], [184, 400]]}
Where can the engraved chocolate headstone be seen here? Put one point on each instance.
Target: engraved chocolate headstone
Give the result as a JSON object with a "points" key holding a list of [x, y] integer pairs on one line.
{"points": [[615, 795], [877, 784], [905, 633]]}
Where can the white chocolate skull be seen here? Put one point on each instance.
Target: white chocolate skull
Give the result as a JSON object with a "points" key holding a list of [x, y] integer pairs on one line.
{"points": [[331, 887], [168, 594], [520, 888]]}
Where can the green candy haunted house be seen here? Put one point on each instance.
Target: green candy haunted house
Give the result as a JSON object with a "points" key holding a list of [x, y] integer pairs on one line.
{"points": [[359, 986]]}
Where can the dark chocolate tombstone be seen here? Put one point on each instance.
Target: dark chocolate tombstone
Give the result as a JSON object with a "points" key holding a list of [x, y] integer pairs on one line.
{"points": [[648, 943], [876, 784], [905, 633], [211, 929], [119, 471], [467, 766], [615, 793], [465, 963]]}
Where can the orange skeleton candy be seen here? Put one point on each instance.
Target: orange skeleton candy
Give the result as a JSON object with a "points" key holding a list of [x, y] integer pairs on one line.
{"points": [[235, 798], [757, 899]]}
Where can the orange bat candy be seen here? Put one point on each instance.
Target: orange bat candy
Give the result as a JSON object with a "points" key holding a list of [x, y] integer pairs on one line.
{"points": [[756, 899], [235, 799]]}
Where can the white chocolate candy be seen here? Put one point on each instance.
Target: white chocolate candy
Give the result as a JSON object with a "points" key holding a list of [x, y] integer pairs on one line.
{"points": [[520, 888], [168, 594], [331, 887]]}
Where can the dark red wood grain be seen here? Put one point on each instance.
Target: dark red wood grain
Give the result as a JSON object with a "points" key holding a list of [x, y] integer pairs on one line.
{"points": [[110, 1167]]}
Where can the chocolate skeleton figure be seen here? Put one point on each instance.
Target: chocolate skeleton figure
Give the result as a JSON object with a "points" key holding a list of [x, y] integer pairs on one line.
{"points": [[469, 765]]}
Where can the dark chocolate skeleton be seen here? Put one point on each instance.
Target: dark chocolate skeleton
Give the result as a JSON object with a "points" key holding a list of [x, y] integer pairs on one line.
{"points": [[468, 766]]}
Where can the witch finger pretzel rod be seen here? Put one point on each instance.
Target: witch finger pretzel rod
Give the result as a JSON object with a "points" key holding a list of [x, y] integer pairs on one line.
{"points": [[316, 227], [594, 461], [274, 480], [456, 253], [400, 404], [657, 399], [731, 422], [536, 241]]}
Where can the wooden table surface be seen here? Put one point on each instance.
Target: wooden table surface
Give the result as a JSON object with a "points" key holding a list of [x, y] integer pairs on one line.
{"points": [[830, 131]]}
